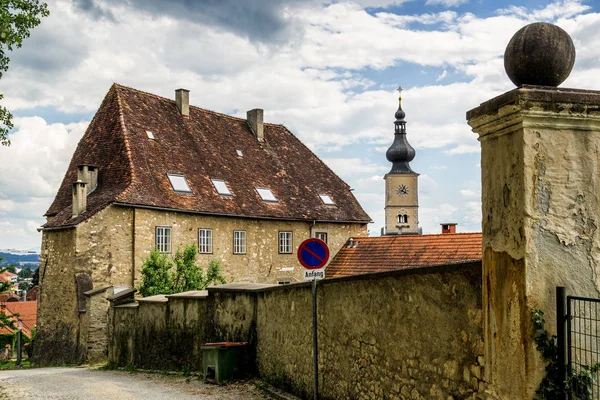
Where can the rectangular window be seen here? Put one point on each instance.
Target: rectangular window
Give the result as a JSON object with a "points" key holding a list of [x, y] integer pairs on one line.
{"points": [[285, 242], [179, 183], [266, 195], [163, 239], [221, 187], [239, 242], [322, 236], [204, 240], [326, 200]]}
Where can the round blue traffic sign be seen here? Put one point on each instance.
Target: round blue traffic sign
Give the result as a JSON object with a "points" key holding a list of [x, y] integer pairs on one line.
{"points": [[313, 253]]}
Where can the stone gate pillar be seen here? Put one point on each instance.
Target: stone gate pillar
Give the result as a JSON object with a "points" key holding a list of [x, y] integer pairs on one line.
{"points": [[540, 165]]}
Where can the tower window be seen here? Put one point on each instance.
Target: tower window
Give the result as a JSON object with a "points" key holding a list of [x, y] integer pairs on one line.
{"points": [[402, 218]]}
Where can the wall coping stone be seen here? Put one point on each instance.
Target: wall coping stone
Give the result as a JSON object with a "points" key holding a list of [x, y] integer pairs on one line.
{"points": [[135, 304], [159, 298], [192, 294], [101, 289], [534, 95], [421, 270], [125, 296]]}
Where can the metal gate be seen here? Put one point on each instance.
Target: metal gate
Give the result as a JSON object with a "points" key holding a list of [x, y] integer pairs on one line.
{"points": [[578, 336]]}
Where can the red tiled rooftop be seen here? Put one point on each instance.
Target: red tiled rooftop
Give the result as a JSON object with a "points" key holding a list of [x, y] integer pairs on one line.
{"points": [[390, 253], [133, 169], [27, 311], [6, 276]]}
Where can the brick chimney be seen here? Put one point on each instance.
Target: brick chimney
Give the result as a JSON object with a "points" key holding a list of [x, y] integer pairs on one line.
{"points": [[79, 198], [448, 227], [182, 98], [255, 120], [89, 175]]}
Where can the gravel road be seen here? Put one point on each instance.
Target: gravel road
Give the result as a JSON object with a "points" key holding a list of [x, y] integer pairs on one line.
{"points": [[90, 384]]}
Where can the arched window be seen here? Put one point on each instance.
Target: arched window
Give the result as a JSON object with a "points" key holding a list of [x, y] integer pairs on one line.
{"points": [[402, 218]]}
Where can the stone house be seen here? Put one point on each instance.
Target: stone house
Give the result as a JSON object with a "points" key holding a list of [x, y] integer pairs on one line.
{"points": [[150, 173]]}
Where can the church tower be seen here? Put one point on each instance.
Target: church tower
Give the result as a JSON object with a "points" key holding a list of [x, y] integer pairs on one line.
{"points": [[401, 183]]}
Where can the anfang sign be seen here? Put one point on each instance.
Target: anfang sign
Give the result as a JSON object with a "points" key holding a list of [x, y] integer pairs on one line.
{"points": [[312, 274]]}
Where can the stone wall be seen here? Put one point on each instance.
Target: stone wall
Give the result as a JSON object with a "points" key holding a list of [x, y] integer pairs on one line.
{"points": [[414, 334]]}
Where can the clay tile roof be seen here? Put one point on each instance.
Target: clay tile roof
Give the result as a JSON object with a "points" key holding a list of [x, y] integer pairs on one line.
{"points": [[389, 253], [27, 311], [6, 276], [133, 169], [8, 296]]}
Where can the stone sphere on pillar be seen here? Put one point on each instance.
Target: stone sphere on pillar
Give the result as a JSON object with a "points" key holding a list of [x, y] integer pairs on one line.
{"points": [[539, 54]]}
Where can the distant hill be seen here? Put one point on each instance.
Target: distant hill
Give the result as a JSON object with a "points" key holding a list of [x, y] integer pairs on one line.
{"points": [[20, 260]]}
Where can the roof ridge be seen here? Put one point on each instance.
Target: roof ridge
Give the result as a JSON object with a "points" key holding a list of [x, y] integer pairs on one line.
{"points": [[126, 141], [191, 106]]}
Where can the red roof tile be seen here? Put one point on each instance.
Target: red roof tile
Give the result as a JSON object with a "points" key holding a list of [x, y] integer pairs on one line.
{"points": [[8, 296], [27, 311], [389, 253], [6, 276], [133, 169]]}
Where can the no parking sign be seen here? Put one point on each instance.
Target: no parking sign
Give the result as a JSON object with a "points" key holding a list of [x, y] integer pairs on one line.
{"points": [[313, 254]]}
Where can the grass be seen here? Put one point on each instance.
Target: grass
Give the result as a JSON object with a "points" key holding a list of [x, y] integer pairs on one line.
{"points": [[13, 365]]}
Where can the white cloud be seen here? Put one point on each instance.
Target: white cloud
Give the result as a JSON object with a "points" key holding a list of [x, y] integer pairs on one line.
{"points": [[316, 83], [446, 3], [470, 193]]}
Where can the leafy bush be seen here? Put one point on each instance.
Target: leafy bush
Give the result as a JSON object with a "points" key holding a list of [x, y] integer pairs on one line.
{"points": [[162, 275]]}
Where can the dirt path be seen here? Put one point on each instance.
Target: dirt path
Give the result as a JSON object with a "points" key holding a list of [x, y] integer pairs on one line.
{"points": [[90, 384]]}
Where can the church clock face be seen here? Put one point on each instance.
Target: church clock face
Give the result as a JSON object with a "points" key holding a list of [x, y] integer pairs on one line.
{"points": [[402, 190]]}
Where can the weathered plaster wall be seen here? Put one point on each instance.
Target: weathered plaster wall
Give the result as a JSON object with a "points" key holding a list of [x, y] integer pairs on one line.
{"points": [[58, 317], [99, 248], [262, 261], [410, 336], [540, 152], [402, 335]]}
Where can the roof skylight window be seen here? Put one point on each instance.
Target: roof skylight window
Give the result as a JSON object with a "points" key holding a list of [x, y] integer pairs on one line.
{"points": [[150, 135], [326, 199], [239, 153], [221, 187], [266, 195], [179, 183]]}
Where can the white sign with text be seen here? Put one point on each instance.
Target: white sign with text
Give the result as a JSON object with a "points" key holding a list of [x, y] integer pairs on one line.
{"points": [[314, 274]]}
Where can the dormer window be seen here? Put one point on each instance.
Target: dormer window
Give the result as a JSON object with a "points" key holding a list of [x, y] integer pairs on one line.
{"points": [[266, 195], [239, 153], [179, 183], [326, 200], [150, 135], [221, 187]]}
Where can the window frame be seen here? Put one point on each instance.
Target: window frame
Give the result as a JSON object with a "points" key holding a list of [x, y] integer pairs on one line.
{"points": [[259, 188], [290, 244], [157, 245], [330, 203], [245, 244], [317, 234], [229, 194], [169, 175], [209, 240]]}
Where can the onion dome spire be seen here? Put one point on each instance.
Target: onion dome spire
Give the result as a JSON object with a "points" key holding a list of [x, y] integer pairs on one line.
{"points": [[400, 152]]}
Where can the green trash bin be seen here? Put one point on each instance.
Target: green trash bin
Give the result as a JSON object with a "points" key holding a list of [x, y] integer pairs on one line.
{"points": [[224, 361]]}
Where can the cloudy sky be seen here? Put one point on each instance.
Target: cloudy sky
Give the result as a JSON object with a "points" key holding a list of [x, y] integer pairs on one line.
{"points": [[325, 69]]}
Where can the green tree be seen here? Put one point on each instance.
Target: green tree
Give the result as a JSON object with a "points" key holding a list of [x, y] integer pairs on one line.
{"points": [[4, 286], [181, 274], [24, 286], [35, 280], [10, 268], [25, 273], [17, 19], [156, 275]]}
